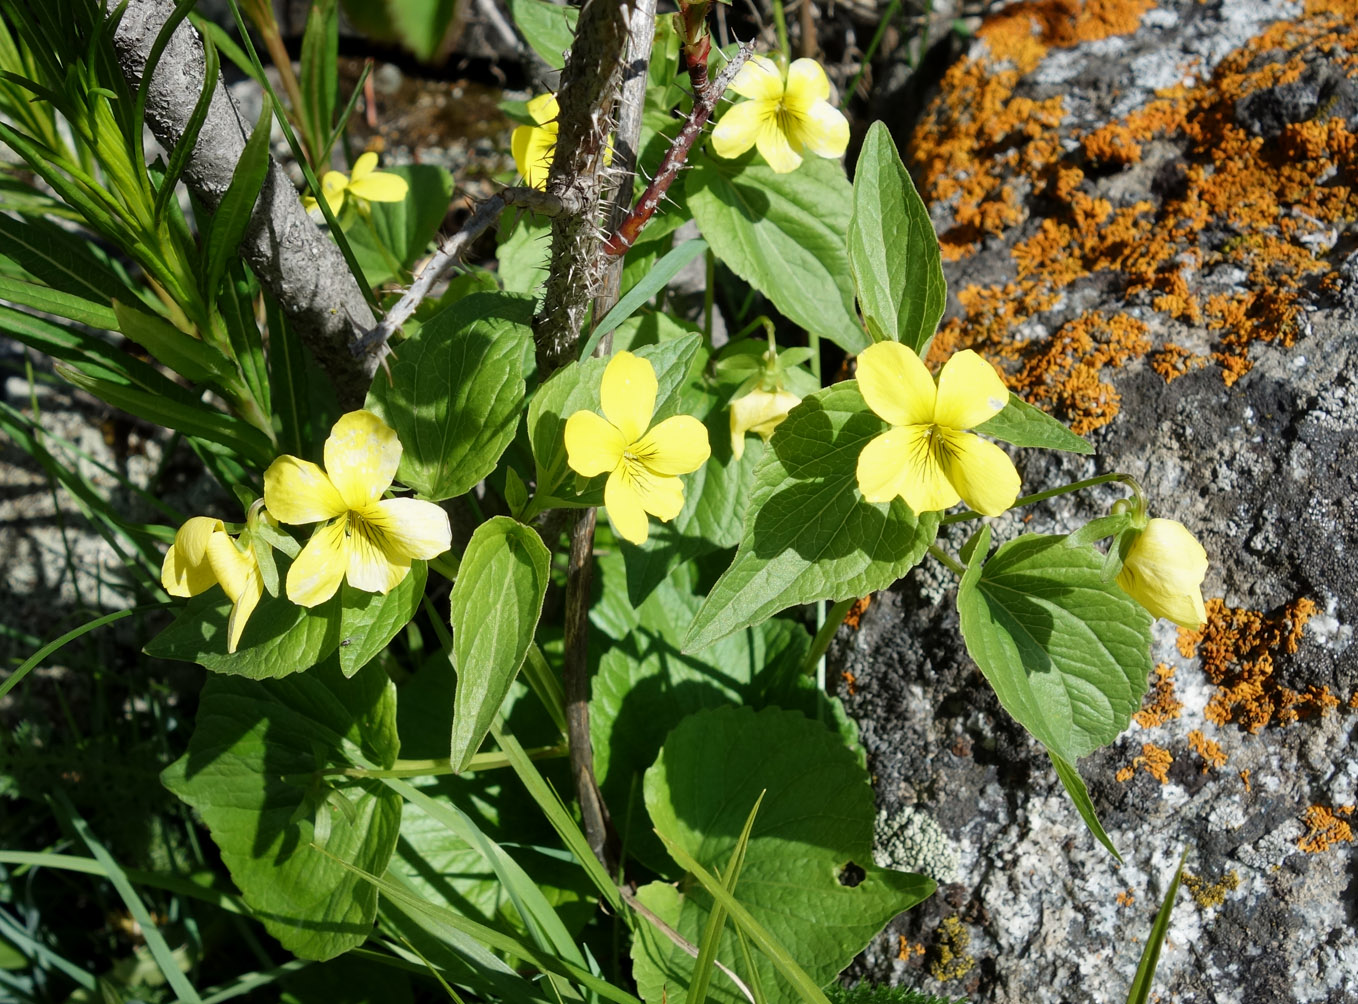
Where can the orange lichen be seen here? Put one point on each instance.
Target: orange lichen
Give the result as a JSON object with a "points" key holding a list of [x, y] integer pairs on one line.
{"points": [[1326, 827], [854, 618], [1237, 647], [1235, 203], [1153, 760], [1245, 777], [1210, 751], [1126, 898], [850, 682], [1160, 705], [908, 949]]}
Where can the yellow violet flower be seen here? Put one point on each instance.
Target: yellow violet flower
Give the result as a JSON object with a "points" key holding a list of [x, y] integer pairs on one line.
{"points": [[534, 146], [364, 185], [926, 457], [760, 411], [204, 555], [1163, 571], [783, 116], [642, 466], [368, 540]]}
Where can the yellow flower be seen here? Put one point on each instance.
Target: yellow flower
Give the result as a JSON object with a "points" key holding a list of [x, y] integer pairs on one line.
{"points": [[370, 541], [782, 118], [534, 146], [364, 185], [759, 411], [642, 466], [1163, 571], [204, 555], [926, 458]]}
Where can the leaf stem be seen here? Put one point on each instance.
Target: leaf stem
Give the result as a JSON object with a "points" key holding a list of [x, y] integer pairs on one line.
{"points": [[439, 766], [825, 635], [1102, 479], [947, 559]]}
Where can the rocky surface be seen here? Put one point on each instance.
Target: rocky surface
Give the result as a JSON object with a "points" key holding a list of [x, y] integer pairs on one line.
{"points": [[1148, 215]]}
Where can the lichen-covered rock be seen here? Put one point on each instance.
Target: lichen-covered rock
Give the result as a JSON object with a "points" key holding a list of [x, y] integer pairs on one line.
{"points": [[1149, 214]]}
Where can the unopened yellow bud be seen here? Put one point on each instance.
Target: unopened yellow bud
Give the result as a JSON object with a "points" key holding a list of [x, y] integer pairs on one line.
{"points": [[1163, 571]]}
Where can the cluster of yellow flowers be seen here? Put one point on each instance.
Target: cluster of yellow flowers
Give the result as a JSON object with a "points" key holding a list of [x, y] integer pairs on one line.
{"points": [[366, 540]]}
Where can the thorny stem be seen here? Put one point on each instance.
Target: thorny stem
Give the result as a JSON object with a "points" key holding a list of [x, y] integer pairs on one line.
{"points": [[706, 94], [1102, 479]]}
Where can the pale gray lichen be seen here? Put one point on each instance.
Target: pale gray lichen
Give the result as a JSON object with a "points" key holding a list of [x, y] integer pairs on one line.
{"points": [[910, 840]]}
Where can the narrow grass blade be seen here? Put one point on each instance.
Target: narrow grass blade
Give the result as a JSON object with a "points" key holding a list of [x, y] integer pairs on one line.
{"points": [[37, 657], [1140, 991], [177, 884], [155, 941], [248, 982], [43, 955], [232, 217], [651, 283], [179, 156], [53, 301], [716, 920]]}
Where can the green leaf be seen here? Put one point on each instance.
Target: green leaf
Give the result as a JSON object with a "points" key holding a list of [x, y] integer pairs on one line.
{"points": [[496, 601], [188, 356], [280, 637], [784, 235], [523, 253], [369, 621], [1023, 425], [814, 822], [1140, 991], [548, 27], [1084, 805], [809, 534], [894, 256], [232, 217], [656, 278], [319, 81], [252, 772], [66, 261], [54, 301], [1067, 654], [404, 228], [456, 391], [575, 387]]}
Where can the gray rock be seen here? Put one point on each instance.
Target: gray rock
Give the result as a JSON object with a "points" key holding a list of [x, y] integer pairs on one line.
{"points": [[1244, 296]]}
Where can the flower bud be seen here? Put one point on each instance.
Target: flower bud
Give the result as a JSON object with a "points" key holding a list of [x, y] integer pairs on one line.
{"points": [[759, 411], [1163, 571]]}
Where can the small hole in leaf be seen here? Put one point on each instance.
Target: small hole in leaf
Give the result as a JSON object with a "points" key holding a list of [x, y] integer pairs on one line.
{"points": [[851, 875]]}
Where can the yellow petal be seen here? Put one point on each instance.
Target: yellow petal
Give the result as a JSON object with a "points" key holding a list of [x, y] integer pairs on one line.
{"points": [[319, 569], [896, 385], [1163, 571], [981, 472], [777, 148], [332, 187], [361, 457], [902, 462], [807, 85], [380, 186], [759, 411], [374, 565], [627, 394], [969, 392], [297, 491], [677, 445], [759, 79], [533, 150], [593, 445], [623, 505], [233, 568], [186, 570], [410, 528], [825, 130], [738, 129], [544, 109], [242, 609], [364, 166]]}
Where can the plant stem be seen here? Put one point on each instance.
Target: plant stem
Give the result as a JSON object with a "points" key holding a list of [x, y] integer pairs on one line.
{"points": [[780, 26], [826, 634], [947, 559], [1102, 479], [439, 766], [871, 51]]}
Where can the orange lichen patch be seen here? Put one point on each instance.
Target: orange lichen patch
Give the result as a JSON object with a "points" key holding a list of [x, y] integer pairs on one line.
{"points": [[1209, 894], [1237, 647], [1245, 777], [1353, 700], [850, 682], [1265, 212], [1325, 828], [1153, 760], [909, 949], [1160, 705], [1211, 752], [854, 618], [1126, 898]]}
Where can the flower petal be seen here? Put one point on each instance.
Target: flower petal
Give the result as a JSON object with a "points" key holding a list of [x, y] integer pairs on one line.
{"points": [[543, 109], [759, 79], [759, 411], [186, 570], [807, 85], [242, 609], [625, 512], [969, 392], [677, 445], [380, 186], [981, 472], [297, 491], [778, 148], [593, 444], [374, 565], [364, 166], [410, 528], [361, 457], [896, 385], [319, 569], [333, 185], [1163, 571], [233, 568], [738, 128], [627, 394], [900, 462], [824, 130], [533, 149]]}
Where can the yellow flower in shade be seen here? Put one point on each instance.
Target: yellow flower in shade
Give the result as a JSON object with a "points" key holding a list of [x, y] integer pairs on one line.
{"points": [[760, 411], [364, 185], [926, 457], [534, 146], [783, 117], [1163, 571], [204, 555], [368, 540], [642, 466]]}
